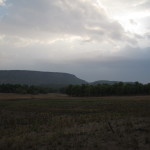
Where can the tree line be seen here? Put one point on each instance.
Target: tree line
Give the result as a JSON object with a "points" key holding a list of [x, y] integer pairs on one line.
{"points": [[116, 89], [25, 89]]}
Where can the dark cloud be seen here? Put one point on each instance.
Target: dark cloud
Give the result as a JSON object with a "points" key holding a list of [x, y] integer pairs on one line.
{"points": [[131, 64], [131, 67]]}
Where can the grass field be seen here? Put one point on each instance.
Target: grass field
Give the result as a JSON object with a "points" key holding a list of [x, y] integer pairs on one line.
{"points": [[58, 122]]}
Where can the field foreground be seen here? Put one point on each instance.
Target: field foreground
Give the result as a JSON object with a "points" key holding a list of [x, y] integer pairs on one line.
{"points": [[58, 122]]}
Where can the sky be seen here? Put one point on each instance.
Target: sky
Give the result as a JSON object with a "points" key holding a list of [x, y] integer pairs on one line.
{"points": [[92, 39]]}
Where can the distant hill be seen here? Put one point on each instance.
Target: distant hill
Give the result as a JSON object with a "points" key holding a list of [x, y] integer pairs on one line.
{"points": [[38, 78], [106, 82]]}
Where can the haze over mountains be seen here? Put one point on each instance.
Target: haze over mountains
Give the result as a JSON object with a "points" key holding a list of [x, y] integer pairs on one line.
{"points": [[43, 78]]}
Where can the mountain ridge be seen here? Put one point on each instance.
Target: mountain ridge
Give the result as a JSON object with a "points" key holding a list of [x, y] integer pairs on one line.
{"points": [[30, 77], [52, 79], [108, 82], [104, 82]]}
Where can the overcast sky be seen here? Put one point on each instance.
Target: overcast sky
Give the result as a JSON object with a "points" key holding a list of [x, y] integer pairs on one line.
{"points": [[93, 39]]}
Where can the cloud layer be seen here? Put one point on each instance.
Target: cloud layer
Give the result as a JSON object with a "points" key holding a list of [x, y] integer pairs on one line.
{"points": [[59, 19], [92, 39]]}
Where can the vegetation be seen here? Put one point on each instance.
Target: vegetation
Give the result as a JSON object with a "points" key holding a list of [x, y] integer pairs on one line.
{"points": [[108, 89], [71, 123], [116, 89], [25, 89]]}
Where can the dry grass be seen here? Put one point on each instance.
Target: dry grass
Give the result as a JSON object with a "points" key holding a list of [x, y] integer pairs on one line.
{"points": [[62, 96], [58, 122], [31, 96]]}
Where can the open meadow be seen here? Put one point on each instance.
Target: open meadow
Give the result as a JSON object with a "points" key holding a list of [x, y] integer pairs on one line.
{"points": [[60, 122]]}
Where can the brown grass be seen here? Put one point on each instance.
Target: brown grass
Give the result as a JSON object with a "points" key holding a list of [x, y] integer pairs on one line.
{"points": [[31, 96], [61, 96], [59, 122]]}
